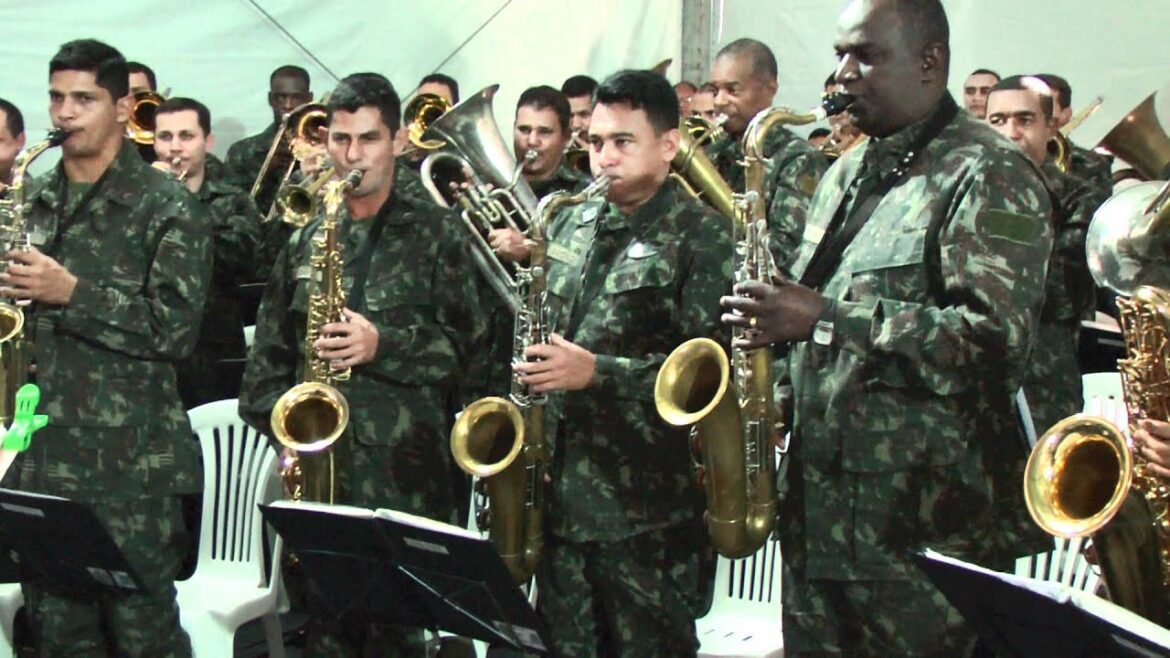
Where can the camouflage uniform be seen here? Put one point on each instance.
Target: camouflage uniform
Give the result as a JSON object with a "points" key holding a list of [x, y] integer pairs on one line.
{"points": [[905, 435], [210, 374], [243, 162], [419, 295], [118, 439], [1052, 383], [793, 171], [1094, 169], [564, 179], [624, 509]]}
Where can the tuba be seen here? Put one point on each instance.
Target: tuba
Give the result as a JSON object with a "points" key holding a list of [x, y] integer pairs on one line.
{"points": [[730, 405], [311, 416], [502, 441], [1141, 139], [1083, 477], [496, 196], [15, 347]]}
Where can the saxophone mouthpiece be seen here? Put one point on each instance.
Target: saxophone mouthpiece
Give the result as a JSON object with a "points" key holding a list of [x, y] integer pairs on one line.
{"points": [[836, 102], [57, 136], [354, 177]]}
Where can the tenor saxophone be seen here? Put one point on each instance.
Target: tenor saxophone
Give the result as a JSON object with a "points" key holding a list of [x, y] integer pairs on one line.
{"points": [[501, 441], [729, 405], [311, 416], [15, 347]]}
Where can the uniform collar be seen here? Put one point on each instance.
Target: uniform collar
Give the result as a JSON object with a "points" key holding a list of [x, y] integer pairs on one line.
{"points": [[613, 219], [886, 152], [123, 179]]}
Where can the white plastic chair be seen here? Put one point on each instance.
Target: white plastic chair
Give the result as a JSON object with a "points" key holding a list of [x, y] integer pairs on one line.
{"points": [[744, 621], [230, 586], [10, 602], [1066, 563]]}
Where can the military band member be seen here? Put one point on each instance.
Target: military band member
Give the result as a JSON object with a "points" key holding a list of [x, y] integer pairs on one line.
{"points": [[579, 90], [413, 324], [684, 90], [542, 126], [744, 73], [909, 317], [183, 139], [118, 278], [703, 102], [1020, 108], [630, 279], [288, 89], [11, 139], [1094, 168], [975, 90], [443, 86]]}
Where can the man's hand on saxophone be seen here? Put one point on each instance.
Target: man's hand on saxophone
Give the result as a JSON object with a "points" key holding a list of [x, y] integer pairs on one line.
{"points": [[779, 313], [348, 344], [34, 276], [1152, 440], [557, 366]]}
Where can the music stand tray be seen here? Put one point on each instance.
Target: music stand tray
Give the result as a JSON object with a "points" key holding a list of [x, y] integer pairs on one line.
{"points": [[61, 545], [1018, 616], [397, 568]]}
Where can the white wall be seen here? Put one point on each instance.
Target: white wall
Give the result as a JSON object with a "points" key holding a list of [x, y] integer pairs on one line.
{"points": [[222, 51], [1118, 49]]}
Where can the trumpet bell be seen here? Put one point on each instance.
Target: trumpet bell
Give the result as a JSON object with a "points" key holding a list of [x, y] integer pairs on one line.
{"points": [[310, 417], [488, 436], [419, 114], [1078, 476], [142, 116]]}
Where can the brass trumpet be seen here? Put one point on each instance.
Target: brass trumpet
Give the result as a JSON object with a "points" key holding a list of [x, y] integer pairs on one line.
{"points": [[417, 117], [298, 138], [297, 204], [140, 127]]}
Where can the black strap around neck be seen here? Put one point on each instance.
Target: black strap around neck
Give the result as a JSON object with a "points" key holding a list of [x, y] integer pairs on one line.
{"points": [[67, 218], [356, 300], [843, 229]]}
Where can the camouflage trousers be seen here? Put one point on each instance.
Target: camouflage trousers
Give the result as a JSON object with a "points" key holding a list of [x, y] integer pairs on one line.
{"points": [[635, 598], [870, 618], [150, 533]]}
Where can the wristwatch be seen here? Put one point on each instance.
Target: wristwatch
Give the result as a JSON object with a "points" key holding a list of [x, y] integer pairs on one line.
{"points": [[823, 329]]}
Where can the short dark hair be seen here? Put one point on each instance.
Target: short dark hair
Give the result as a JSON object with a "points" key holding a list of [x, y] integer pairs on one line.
{"points": [[1059, 86], [179, 104], [819, 132], [290, 71], [367, 90], [985, 72], [441, 79], [544, 96], [579, 85], [642, 90], [759, 54], [139, 67], [103, 61], [1020, 83], [925, 19], [13, 119]]}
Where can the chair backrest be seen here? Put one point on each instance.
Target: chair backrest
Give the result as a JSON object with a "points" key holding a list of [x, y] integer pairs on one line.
{"points": [[753, 581], [1101, 385], [239, 473]]}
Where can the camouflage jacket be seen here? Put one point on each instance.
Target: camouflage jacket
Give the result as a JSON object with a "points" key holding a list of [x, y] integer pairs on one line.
{"points": [[243, 162], [563, 180], [141, 252], [235, 232], [906, 383], [629, 289], [1052, 384], [793, 171], [1094, 169], [420, 296]]}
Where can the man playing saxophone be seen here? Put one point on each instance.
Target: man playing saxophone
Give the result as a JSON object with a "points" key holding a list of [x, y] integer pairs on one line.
{"points": [[744, 76], [412, 324], [909, 320], [117, 275], [182, 139], [629, 280]]}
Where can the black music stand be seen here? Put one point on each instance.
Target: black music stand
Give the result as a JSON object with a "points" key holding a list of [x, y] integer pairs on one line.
{"points": [[396, 568], [1018, 616], [61, 545]]}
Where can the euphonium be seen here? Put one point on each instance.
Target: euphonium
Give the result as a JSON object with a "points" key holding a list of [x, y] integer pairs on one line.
{"points": [[1083, 477], [730, 405], [310, 417], [502, 441], [15, 348]]}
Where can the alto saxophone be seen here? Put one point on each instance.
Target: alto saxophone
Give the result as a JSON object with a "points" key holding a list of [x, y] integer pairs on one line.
{"points": [[501, 441], [311, 416], [730, 405], [15, 346]]}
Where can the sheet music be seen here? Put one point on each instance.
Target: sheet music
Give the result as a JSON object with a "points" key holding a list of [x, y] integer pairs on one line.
{"points": [[424, 523], [1090, 603]]}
